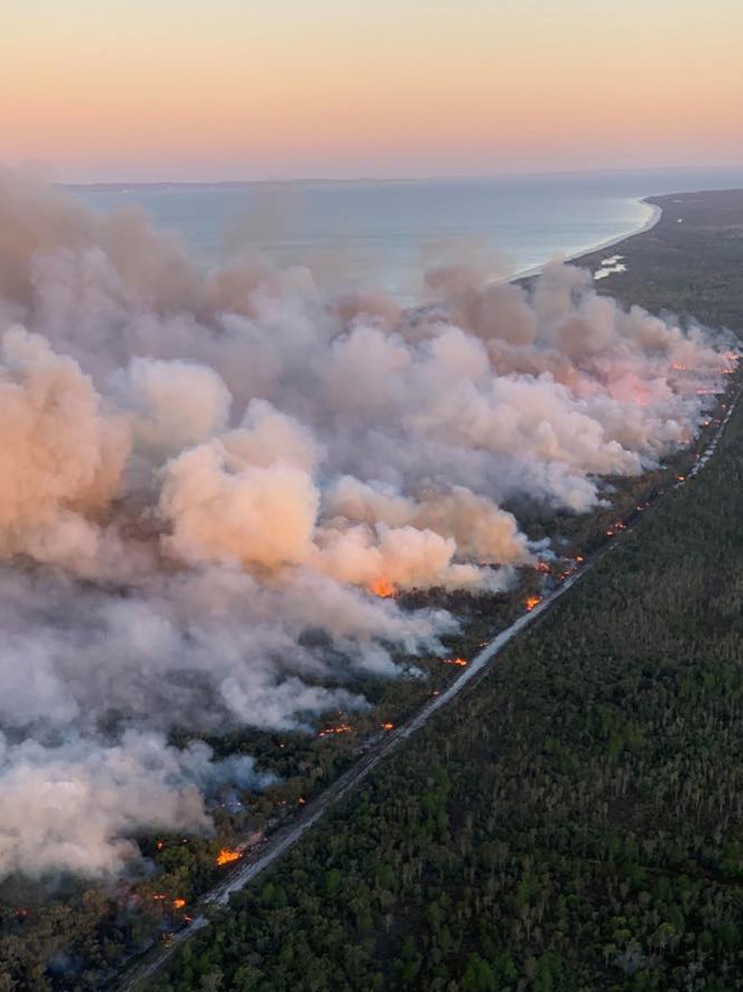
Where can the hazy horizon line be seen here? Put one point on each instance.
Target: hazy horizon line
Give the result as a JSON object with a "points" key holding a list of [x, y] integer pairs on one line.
{"points": [[444, 177]]}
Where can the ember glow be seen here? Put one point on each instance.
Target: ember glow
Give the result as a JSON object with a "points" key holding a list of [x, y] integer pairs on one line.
{"points": [[458, 662], [615, 528], [214, 483]]}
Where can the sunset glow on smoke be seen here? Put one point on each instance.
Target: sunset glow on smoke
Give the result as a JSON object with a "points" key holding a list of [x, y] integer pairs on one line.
{"points": [[214, 485]]}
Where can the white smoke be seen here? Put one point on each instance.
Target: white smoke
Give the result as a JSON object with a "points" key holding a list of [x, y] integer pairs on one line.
{"points": [[76, 805], [199, 470]]}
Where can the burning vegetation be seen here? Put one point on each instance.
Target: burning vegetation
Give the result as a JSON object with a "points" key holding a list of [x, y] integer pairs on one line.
{"points": [[309, 538], [341, 728], [616, 528], [383, 589], [228, 855]]}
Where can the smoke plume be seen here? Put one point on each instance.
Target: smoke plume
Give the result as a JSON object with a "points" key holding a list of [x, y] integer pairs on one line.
{"points": [[198, 469]]}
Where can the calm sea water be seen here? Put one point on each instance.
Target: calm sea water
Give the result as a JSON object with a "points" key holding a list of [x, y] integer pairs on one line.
{"points": [[386, 233]]}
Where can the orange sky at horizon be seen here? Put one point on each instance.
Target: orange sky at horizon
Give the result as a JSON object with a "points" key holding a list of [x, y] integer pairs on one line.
{"points": [[167, 91]]}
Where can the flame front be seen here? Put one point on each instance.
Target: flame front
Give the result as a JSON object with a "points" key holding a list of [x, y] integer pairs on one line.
{"points": [[382, 588], [531, 602], [226, 856], [342, 728]]}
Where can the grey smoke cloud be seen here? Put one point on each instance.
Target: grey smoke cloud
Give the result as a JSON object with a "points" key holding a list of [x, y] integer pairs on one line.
{"points": [[198, 469]]}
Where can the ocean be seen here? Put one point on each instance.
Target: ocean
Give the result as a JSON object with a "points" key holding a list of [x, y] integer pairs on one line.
{"points": [[384, 234]]}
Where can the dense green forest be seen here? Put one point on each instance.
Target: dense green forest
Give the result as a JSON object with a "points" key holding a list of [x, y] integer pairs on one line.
{"points": [[574, 824]]}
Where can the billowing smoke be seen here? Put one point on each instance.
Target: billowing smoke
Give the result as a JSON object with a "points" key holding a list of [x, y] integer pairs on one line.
{"points": [[206, 477], [74, 806]]}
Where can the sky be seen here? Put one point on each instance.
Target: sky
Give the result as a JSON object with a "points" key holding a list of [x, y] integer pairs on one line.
{"points": [[248, 89]]}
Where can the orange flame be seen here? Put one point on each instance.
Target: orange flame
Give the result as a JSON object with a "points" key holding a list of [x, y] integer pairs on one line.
{"points": [[388, 726], [226, 856], [615, 528], [382, 588], [461, 662], [342, 728], [179, 903], [531, 602]]}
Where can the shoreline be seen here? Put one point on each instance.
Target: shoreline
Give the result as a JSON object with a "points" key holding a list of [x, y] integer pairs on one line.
{"points": [[394, 274], [686, 264], [525, 277], [648, 225]]}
